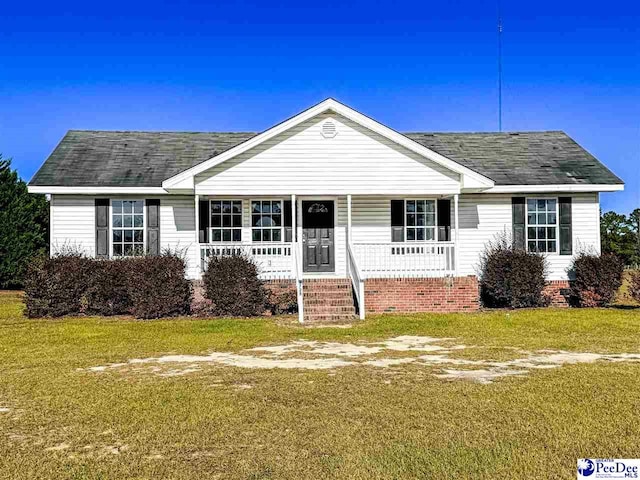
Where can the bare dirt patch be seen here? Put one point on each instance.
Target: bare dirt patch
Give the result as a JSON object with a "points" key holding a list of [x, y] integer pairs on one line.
{"points": [[478, 364]]}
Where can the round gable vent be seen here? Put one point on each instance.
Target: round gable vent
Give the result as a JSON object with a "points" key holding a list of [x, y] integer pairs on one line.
{"points": [[329, 129]]}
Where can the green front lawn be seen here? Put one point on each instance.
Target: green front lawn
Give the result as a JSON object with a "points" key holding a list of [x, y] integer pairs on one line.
{"points": [[60, 420]]}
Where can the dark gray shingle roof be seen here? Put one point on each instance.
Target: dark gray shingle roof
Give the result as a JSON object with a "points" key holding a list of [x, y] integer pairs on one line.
{"points": [[145, 159], [520, 158], [129, 159]]}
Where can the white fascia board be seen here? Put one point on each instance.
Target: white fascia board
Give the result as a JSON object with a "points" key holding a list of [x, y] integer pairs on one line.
{"points": [[233, 193], [347, 112], [569, 188], [96, 190]]}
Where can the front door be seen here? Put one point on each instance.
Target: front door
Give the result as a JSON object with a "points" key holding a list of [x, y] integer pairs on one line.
{"points": [[318, 236]]}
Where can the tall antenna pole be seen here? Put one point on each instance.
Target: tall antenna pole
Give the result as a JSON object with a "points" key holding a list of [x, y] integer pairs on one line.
{"points": [[499, 67]]}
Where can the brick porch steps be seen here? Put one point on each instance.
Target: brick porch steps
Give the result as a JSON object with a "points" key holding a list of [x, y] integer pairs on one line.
{"points": [[328, 300]]}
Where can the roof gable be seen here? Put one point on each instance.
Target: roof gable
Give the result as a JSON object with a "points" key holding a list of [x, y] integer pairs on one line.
{"points": [[470, 178]]}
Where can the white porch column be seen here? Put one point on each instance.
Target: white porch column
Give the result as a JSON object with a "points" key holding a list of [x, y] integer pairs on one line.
{"points": [[348, 235], [349, 218], [456, 252], [294, 235], [198, 268], [294, 223]]}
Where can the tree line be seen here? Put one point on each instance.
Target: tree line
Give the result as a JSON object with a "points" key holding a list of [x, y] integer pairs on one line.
{"points": [[620, 234]]}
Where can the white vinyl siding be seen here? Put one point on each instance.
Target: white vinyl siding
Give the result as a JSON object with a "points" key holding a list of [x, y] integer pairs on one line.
{"points": [[178, 229], [483, 217], [73, 223], [303, 162]]}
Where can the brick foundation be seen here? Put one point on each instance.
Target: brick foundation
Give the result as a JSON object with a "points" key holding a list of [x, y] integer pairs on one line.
{"points": [[458, 294], [201, 306], [559, 292]]}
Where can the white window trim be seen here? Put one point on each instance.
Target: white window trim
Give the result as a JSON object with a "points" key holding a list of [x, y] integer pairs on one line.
{"points": [[526, 222], [144, 226], [251, 227], [241, 227], [434, 227]]}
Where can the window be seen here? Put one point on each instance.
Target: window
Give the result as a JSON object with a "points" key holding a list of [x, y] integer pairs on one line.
{"points": [[420, 220], [127, 232], [266, 220], [542, 225], [226, 220]]}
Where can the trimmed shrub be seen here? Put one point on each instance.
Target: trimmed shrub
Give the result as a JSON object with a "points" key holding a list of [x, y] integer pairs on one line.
{"points": [[233, 286], [597, 279], [71, 284], [634, 285], [157, 287], [56, 286], [511, 277], [107, 289]]}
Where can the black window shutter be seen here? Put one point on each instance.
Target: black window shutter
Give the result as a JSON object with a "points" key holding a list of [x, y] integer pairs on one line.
{"points": [[444, 220], [566, 242], [288, 225], [203, 221], [397, 220], [102, 227], [153, 226], [518, 209]]}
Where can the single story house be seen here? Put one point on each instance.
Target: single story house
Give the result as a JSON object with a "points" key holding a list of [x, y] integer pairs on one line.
{"points": [[353, 215]]}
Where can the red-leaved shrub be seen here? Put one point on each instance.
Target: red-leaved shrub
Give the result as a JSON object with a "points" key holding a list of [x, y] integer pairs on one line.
{"points": [[597, 279], [56, 286], [157, 287], [634, 285], [71, 284], [233, 286], [511, 277]]}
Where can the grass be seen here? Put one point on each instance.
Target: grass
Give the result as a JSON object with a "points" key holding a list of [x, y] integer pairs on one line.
{"points": [[351, 423]]}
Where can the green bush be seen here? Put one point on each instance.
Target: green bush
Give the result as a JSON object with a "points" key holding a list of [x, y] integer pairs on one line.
{"points": [[233, 286], [597, 278], [511, 277]]}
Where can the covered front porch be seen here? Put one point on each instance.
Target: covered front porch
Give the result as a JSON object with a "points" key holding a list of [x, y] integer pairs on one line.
{"points": [[360, 237]]}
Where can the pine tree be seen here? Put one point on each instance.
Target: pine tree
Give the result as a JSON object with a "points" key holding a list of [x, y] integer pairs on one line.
{"points": [[24, 226]]}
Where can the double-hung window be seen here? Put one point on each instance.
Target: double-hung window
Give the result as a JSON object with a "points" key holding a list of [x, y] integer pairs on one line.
{"points": [[266, 220], [420, 220], [542, 225], [127, 231], [226, 220]]}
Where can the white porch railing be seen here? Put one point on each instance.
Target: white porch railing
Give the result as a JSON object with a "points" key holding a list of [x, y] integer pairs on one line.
{"points": [[275, 260], [405, 259]]}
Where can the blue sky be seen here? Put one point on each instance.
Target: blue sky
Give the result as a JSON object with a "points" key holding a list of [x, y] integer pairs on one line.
{"points": [[429, 66]]}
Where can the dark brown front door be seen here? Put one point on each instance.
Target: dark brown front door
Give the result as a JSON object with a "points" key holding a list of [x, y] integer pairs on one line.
{"points": [[318, 236]]}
